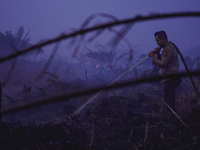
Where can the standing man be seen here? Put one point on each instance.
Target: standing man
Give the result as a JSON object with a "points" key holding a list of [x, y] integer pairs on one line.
{"points": [[169, 63]]}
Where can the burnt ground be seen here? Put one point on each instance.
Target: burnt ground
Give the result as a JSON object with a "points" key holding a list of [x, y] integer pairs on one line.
{"points": [[118, 120]]}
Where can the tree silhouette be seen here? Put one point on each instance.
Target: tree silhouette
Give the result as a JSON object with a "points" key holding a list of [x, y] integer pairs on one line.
{"points": [[11, 43], [83, 31]]}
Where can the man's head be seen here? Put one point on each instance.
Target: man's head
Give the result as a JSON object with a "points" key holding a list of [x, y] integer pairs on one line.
{"points": [[161, 38]]}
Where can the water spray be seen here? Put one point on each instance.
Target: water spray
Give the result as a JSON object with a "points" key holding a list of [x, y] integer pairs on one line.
{"points": [[77, 111]]}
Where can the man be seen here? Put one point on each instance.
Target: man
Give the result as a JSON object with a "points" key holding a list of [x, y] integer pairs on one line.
{"points": [[168, 62]]}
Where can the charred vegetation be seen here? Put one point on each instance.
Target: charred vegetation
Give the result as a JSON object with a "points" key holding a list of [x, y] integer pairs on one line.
{"points": [[39, 97]]}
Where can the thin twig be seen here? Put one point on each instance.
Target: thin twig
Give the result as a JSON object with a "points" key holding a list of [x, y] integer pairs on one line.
{"points": [[146, 132], [130, 136], [175, 114], [48, 62]]}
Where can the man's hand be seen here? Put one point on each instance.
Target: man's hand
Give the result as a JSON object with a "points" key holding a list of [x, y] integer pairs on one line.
{"points": [[152, 54], [157, 50]]}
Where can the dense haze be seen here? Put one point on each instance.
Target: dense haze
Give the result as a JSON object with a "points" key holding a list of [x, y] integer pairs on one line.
{"points": [[48, 19], [25, 23], [48, 99]]}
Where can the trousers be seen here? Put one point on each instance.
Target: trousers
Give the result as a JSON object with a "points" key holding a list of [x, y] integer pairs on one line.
{"points": [[169, 93], [169, 98]]}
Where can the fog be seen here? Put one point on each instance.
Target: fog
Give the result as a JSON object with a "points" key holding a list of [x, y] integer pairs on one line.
{"points": [[84, 61]]}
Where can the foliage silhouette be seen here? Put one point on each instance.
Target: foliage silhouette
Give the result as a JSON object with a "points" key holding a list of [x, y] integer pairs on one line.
{"points": [[81, 32], [123, 126]]}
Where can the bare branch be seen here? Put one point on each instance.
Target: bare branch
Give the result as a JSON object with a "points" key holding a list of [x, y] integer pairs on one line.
{"points": [[104, 26], [89, 91]]}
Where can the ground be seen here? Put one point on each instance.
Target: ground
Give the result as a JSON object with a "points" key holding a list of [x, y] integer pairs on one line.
{"points": [[119, 119]]}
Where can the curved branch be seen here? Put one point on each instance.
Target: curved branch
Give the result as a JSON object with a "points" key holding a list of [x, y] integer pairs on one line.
{"points": [[89, 91], [104, 26]]}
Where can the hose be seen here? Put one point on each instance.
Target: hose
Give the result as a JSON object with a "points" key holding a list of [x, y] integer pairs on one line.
{"points": [[187, 69]]}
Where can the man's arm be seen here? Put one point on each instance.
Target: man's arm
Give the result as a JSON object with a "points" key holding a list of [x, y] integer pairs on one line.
{"points": [[166, 56]]}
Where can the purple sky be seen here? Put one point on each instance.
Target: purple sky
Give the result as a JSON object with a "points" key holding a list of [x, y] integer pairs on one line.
{"points": [[50, 18]]}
